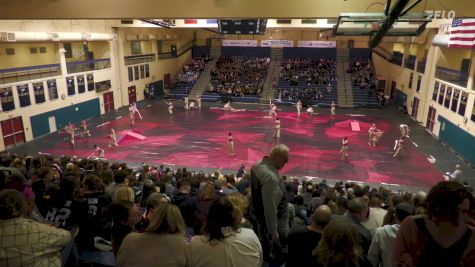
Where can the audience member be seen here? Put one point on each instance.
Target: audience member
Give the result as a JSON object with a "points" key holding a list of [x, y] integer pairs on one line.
{"points": [[303, 240], [166, 232]]}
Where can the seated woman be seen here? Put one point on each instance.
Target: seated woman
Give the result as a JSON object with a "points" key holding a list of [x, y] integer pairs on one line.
{"points": [[223, 242], [125, 215], [166, 232]]}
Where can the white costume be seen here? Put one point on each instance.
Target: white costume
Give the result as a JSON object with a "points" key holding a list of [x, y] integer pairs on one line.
{"points": [[170, 108], [276, 129], [299, 107]]}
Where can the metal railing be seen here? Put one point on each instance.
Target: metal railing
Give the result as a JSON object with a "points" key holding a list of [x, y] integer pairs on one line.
{"points": [[132, 60], [88, 65], [180, 51], [29, 73], [452, 76]]}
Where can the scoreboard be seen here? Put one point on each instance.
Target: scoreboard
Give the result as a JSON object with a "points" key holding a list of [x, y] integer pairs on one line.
{"points": [[242, 26]]}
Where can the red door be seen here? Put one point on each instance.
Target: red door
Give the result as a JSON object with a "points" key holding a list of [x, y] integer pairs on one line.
{"points": [[108, 102], [430, 119], [415, 107], [12, 131], [166, 81], [132, 95]]}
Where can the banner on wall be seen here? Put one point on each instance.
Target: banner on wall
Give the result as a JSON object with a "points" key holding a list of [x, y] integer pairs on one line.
{"points": [[23, 95], [39, 91], [248, 43], [317, 44], [81, 84], [90, 82], [52, 89], [6, 97], [70, 85], [277, 43]]}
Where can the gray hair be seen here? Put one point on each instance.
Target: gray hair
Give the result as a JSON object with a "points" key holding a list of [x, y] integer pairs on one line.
{"points": [[12, 204], [279, 149]]}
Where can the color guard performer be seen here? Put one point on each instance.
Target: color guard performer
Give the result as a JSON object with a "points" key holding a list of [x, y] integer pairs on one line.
{"points": [[276, 128], [113, 138], [170, 107], [84, 129], [69, 129], [344, 148], [132, 110], [99, 152], [332, 110], [198, 101], [273, 109], [231, 151], [404, 129], [400, 146], [299, 107], [310, 111], [227, 106]]}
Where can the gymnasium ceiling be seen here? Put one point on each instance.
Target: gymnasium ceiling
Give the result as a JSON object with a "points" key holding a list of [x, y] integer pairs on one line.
{"points": [[116, 9]]}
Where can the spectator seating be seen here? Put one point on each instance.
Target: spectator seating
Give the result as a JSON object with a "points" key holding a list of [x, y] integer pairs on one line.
{"points": [[188, 76]]}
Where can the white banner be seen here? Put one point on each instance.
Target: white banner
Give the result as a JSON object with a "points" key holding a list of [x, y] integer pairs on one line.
{"points": [[248, 43], [317, 44], [277, 43]]}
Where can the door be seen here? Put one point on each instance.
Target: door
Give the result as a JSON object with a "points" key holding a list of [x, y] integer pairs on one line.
{"points": [[393, 90], [430, 119], [167, 81], [108, 102], [52, 124], [132, 95], [12, 131], [415, 107]]}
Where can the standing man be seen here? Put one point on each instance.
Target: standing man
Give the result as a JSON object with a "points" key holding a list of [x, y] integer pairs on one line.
{"points": [[269, 205]]}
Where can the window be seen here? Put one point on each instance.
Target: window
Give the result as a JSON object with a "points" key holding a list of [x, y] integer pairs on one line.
{"points": [[142, 71], [81, 84], [10, 51], [431, 119], [90, 82], [455, 100], [136, 72], [463, 104], [436, 91], [69, 52], [33, 50], [418, 87], [441, 94], [147, 71], [131, 73], [448, 96], [42, 50], [411, 77], [135, 47]]}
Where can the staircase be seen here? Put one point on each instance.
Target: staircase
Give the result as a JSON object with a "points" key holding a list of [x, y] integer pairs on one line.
{"points": [[344, 85], [203, 81], [272, 74]]}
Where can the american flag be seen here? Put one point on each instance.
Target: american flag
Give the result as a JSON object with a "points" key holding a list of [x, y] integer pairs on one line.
{"points": [[462, 34]]}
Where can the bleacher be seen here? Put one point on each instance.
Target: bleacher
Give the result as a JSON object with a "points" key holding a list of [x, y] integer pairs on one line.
{"points": [[217, 91], [307, 93], [366, 97], [190, 74]]}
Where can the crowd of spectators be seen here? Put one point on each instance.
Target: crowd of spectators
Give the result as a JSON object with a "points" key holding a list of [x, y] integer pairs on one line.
{"points": [[307, 72], [239, 76], [361, 72], [84, 209], [191, 71], [303, 94]]}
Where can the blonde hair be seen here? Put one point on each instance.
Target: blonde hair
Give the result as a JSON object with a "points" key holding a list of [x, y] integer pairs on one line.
{"points": [[166, 219], [125, 193], [239, 202]]}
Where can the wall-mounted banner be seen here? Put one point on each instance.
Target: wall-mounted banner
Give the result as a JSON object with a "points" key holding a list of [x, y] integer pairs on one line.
{"points": [[248, 43], [317, 44], [39, 91], [23, 95], [277, 43], [52, 89]]}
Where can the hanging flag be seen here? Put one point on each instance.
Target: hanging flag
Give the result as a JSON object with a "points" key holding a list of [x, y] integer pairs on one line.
{"points": [[462, 34]]}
